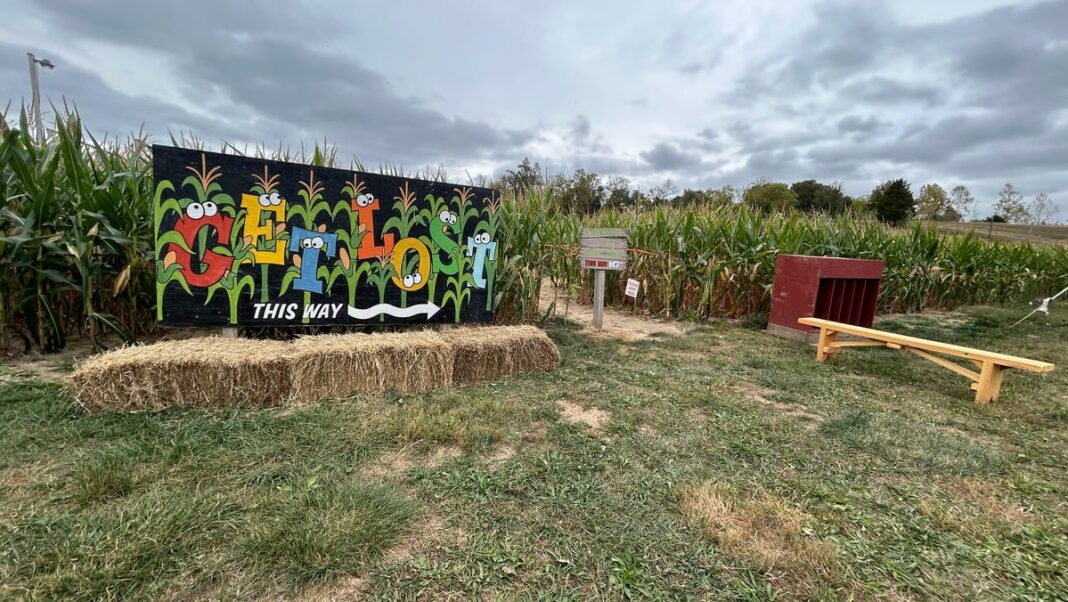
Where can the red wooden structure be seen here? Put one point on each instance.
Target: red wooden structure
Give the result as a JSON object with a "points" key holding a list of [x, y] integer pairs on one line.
{"points": [[831, 288]]}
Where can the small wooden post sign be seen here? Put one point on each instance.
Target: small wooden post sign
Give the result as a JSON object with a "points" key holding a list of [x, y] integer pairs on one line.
{"points": [[602, 249]]}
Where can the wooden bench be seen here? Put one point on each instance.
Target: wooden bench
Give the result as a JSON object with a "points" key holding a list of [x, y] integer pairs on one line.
{"points": [[986, 383]]}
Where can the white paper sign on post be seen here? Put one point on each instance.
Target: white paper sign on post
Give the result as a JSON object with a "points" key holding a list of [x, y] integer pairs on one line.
{"points": [[632, 288]]}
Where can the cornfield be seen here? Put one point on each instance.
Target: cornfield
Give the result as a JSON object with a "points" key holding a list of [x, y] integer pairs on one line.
{"points": [[77, 254], [720, 261]]}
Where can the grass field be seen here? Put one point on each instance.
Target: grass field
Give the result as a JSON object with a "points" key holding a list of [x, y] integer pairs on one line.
{"points": [[718, 464], [1050, 235]]}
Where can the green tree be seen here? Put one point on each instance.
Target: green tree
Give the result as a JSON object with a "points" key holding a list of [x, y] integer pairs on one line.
{"points": [[693, 198], [526, 175], [816, 197], [892, 201], [860, 205], [1010, 205], [620, 194], [769, 196], [583, 192], [933, 204]]}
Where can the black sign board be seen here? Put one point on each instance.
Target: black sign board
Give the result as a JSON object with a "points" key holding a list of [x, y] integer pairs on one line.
{"points": [[251, 242]]}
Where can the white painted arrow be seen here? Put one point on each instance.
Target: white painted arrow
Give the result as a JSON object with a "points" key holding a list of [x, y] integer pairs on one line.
{"points": [[392, 310]]}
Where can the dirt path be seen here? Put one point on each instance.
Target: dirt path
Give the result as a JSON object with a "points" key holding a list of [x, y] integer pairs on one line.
{"points": [[617, 324]]}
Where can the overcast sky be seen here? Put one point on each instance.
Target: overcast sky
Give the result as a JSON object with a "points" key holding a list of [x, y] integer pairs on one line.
{"points": [[970, 92]]}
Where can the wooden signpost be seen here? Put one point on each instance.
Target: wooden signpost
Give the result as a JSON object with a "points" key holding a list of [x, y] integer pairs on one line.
{"points": [[602, 249]]}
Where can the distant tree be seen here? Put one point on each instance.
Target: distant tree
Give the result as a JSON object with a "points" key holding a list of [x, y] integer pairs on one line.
{"points": [[664, 192], [1010, 205], [620, 194], [526, 175], [892, 201], [933, 203], [1042, 209], [950, 214], [583, 192], [962, 200], [769, 196], [693, 198], [813, 196], [860, 205], [725, 195], [994, 219]]}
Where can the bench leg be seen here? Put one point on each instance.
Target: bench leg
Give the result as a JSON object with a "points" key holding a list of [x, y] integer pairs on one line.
{"points": [[989, 383], [826, 338]]}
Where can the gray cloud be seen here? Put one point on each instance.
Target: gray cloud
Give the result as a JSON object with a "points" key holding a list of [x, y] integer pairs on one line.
{"points": [[265, 79], [103, 109], [669, 157], [959, 99], [860, 125], [857, 95]]}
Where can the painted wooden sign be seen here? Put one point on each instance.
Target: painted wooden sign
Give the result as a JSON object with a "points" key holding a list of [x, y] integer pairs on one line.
{"points": [[603, 248], [251, 242]]}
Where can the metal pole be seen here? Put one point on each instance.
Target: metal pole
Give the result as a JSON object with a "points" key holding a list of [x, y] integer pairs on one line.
{"points": [[598, 298], [35, 99]]}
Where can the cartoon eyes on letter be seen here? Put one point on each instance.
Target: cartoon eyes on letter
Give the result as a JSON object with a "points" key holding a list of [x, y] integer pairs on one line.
{"points": [[364, 200], [315, 242], [444, 217], [408, 280], [210, 208], [413, 279], [266, 200], [452, 218], [195, 210], [482, 238]]}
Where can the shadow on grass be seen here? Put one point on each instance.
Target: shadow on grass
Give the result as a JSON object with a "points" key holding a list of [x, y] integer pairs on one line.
{"points": [[910, 446]]}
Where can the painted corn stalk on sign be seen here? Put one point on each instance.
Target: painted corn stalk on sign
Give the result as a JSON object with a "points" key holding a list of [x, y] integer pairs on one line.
{"points": [[243, 241]]}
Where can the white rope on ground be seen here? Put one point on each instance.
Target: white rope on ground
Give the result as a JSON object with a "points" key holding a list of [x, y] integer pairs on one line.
{"points": [[1042, 307]]}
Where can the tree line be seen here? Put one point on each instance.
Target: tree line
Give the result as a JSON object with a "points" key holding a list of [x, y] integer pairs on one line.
{"points": [[892, 201]]}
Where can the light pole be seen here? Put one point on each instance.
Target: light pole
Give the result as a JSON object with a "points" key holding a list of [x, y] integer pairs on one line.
{"points": [[35, 102]]}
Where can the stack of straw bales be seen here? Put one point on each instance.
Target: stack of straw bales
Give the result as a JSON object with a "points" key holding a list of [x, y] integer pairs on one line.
{"points": [[201, 372], [339, 365], [218, 372]]}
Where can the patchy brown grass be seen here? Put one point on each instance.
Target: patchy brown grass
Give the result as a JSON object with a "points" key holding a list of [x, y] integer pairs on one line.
{"points": [[346, 588], [756, 393], [971, 505], [396, 463], [764, 530], [593, 418], [427, 534], [499, 456]]}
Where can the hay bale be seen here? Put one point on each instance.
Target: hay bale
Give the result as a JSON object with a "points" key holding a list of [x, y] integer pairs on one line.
{"points": [[341, 365], [492, 352], [202, 372], [217, 372]]}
